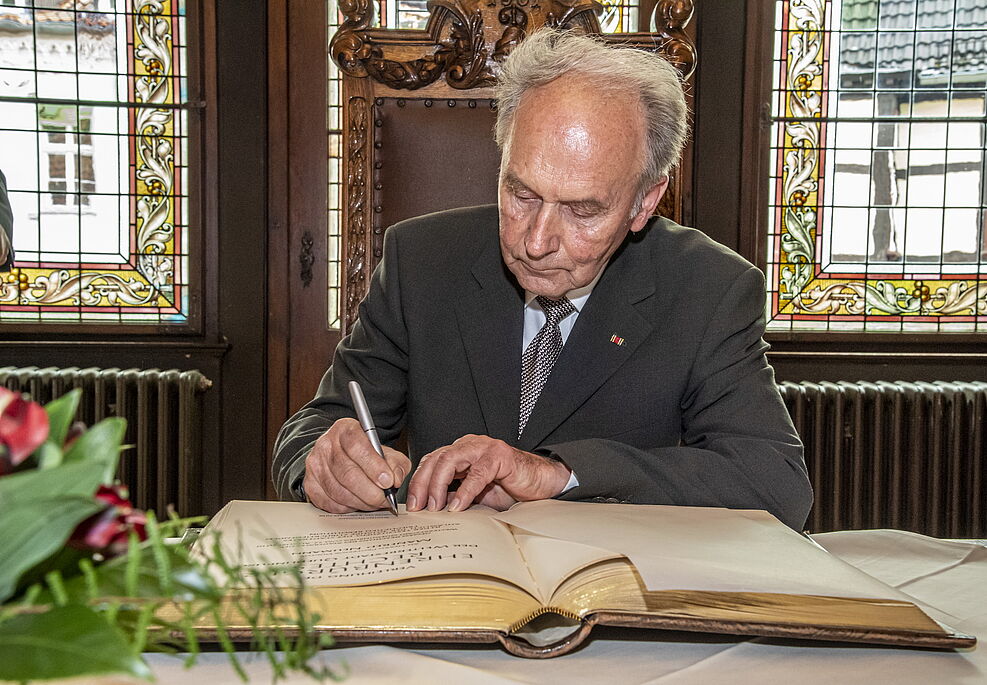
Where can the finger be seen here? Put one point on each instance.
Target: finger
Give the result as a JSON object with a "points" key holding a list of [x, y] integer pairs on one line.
{"points": [[399, 463], [318, 474], [451, 462], [477, 480], [342, 480], [357, 447], [355, 488], [495, 497], [317, 495], [418, 487], [359, 496]]}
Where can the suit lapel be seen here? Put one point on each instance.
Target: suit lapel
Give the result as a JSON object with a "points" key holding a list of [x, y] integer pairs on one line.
{"points": [[589, 357], [490, 312]]}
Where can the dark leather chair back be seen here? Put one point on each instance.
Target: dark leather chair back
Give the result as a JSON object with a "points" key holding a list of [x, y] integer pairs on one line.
{"points": [[422, 170]]}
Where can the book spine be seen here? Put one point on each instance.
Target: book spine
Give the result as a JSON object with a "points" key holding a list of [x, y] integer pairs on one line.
{"points": [[518, 625]]}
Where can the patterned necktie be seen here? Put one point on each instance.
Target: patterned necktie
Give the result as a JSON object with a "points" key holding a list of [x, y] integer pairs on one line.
{"points": [[538, 360]]}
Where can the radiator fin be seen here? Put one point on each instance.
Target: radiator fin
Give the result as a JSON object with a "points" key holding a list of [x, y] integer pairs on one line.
{"points": [[907, 455], [163, 410]]}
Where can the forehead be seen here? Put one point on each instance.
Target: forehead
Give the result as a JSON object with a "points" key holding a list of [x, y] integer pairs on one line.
{"points": [[573, 132]]}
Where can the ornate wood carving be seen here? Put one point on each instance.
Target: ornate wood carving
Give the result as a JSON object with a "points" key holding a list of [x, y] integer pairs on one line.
{"points": [[357, 200], [466, 40], [306, 258], [669, 20]]}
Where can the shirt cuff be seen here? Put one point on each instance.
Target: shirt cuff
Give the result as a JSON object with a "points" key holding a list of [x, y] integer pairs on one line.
{"points": [[573, 482]]}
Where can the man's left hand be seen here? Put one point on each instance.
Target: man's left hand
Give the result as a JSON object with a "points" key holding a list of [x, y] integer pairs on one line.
{"points": [[491, 472]]}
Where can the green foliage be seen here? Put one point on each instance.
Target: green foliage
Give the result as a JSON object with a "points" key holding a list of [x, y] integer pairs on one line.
{"points": [[67, 480], [162, 597], [65, 612], [35, 530], [63, 642], [61, 411], [100, 445]]}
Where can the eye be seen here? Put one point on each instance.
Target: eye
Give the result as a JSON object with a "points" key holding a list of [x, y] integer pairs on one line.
{"points": [[583, 212]]}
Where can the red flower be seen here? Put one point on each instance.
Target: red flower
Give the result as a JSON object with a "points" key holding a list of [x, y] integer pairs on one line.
{"points": [[23, 427], [108, 531]]}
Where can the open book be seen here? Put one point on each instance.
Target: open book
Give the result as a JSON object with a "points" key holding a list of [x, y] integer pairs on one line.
{"points": [[538, 577]]}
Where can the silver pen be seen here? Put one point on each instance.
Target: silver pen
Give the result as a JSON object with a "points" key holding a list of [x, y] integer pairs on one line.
{"points": [[367, 423]]}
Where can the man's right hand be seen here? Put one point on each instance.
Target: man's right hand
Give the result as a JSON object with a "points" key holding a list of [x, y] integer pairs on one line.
{"points": [[343, 473]]}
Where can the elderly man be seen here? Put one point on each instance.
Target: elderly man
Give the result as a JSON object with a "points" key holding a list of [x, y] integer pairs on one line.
{"points": [[564, 343]]}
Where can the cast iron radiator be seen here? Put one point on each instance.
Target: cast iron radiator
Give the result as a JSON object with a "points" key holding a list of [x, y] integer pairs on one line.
{"points": [[164, 424], [894, 455]]}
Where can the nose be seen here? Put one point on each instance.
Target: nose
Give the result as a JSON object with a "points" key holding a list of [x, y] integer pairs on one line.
{"points": [[542, 238]]}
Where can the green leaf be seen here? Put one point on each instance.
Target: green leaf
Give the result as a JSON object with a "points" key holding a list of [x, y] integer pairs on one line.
{"points": [[48, 455], [187, 580], [61, 411], [79, 479], [63, 642], [101, 444], [34, 530]]}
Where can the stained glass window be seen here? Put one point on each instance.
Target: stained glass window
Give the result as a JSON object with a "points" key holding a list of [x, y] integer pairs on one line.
{"points": [[877, 212], [94, 145]]}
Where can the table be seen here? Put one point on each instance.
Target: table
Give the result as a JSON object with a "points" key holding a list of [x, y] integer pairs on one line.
{"points": [[948, 579]]}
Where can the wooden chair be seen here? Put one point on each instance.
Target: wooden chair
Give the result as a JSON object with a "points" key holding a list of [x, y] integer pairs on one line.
{"points": [[418, 113]]}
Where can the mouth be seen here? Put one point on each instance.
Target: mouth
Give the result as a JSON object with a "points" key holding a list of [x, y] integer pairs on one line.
{"points": [[537, 270]]}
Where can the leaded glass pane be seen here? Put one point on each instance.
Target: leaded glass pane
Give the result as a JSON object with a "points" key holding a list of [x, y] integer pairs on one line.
{"points": [[93, 134], [877, 213]]}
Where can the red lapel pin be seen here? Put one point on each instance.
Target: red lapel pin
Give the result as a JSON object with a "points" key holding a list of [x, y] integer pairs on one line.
{"points": [[616, 339]]}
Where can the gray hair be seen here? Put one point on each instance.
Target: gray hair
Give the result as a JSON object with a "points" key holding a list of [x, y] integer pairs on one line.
{"points": [[549, 54]]}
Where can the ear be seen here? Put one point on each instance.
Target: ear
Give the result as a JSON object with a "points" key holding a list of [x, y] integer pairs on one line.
{"points": [[648, 204]]}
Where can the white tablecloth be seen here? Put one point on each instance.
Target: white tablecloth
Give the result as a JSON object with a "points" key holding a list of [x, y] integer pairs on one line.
{"points": [[948, 579]]}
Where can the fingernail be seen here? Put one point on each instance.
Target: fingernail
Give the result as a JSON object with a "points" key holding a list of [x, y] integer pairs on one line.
{"points": [[412, 503], [384, 479], [454, 504], [431, 503]]}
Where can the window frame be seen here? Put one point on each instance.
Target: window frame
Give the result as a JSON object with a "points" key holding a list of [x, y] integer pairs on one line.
{"points": [[755, 187], [200, 160], [73, 149]]}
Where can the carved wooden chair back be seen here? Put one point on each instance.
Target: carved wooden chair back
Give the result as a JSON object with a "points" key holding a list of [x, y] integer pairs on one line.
{"points": [[418, 112]]}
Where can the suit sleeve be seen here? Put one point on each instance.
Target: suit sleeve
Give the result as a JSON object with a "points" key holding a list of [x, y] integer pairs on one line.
{"points": [[375, 355], [6, 228], [738, 446]]}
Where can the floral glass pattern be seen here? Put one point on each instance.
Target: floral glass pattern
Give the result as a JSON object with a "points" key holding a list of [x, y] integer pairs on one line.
{"points": [[877, 209], [93, 100]]}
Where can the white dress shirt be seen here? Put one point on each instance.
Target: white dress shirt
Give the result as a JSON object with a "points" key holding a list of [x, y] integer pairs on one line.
{"points": [[534, 319]]}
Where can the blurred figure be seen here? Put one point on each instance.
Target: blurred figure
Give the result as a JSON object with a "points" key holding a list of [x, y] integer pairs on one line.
{"points": [[6, 227]]}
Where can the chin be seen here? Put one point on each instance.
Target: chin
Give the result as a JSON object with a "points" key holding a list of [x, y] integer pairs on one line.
{"points": [[531, 281], [552, 293], [539, 286]]}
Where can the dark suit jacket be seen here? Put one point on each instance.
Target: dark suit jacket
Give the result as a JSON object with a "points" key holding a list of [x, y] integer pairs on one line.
{"points": [[6, 225], [684, 411]]}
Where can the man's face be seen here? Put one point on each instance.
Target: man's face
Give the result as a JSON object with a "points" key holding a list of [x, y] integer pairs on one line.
{"points": [[568, 180]]}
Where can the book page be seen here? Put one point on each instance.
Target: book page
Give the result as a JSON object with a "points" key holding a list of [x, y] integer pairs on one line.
{"points": [[702, 548], [551, 561], [367, 548]]}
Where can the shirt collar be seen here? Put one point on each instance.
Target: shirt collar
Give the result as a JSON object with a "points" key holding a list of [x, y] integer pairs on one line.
{"points": [[578, 296]]}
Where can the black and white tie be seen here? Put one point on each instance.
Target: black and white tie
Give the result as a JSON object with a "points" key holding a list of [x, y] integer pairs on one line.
{"points": [[539, 358]]}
